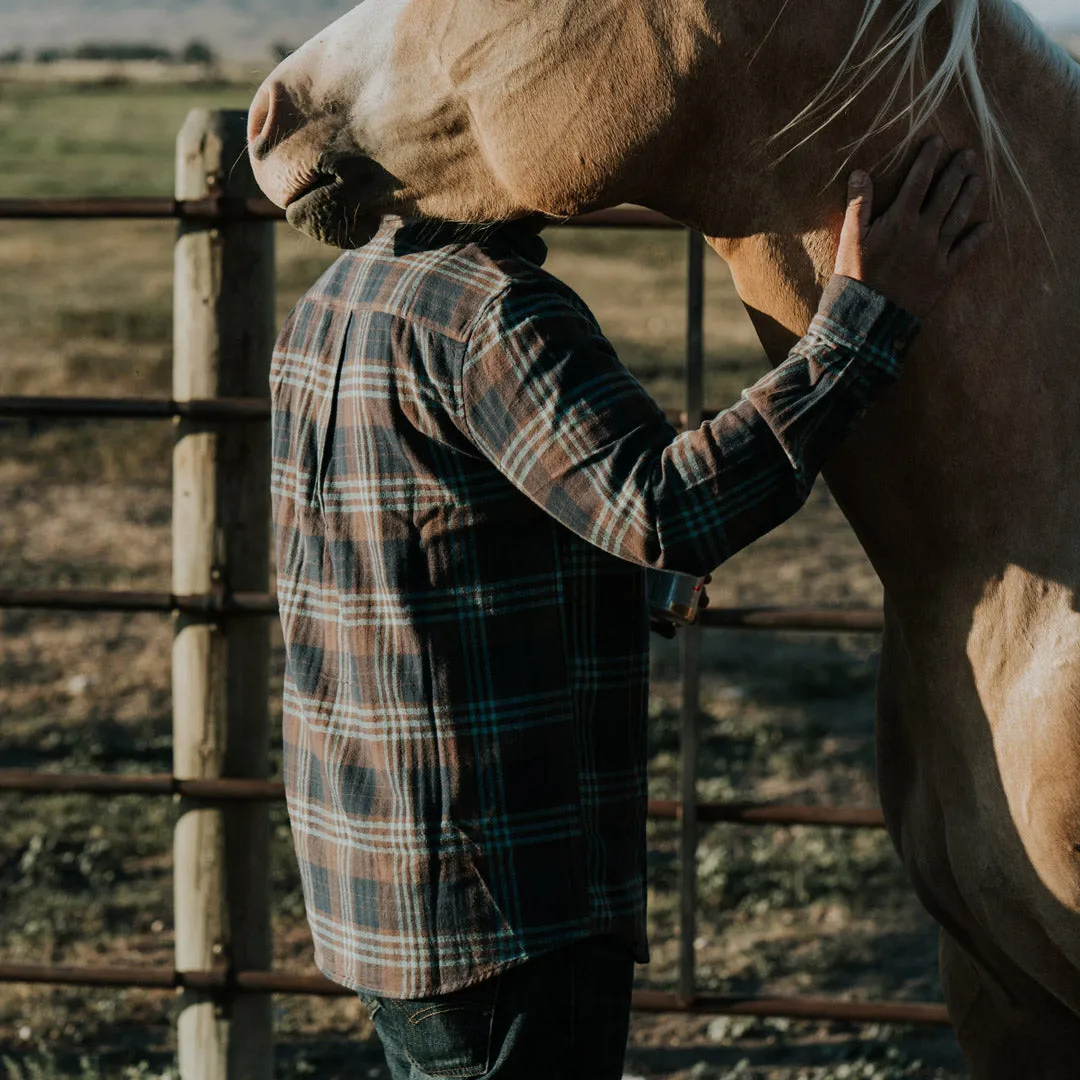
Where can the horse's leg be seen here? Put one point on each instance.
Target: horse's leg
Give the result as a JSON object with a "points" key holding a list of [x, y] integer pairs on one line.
{"points": [[1009, 1029]]}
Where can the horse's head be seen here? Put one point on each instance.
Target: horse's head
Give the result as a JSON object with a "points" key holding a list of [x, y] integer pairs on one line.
{"points": [[483, 110], [475, 110]]}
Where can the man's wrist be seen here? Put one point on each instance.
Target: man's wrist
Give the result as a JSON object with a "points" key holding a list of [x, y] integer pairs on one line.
{"points": [[859, 312]]}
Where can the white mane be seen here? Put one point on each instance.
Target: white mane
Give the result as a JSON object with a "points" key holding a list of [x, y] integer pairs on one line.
{"points": [[903, 42]]}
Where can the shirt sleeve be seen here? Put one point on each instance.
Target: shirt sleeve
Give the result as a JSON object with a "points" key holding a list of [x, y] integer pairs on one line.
{"points": [[547, 401]]}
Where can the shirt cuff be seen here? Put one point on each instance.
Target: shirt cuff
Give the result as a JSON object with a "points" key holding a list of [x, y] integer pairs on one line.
{"points": [[870, 324]]}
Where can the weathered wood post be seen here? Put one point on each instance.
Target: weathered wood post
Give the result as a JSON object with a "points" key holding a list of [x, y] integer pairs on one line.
{"points": [[223, 333]]}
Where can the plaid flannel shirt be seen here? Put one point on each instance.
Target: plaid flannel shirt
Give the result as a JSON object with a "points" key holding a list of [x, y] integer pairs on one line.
{"points": [[467, 486]]}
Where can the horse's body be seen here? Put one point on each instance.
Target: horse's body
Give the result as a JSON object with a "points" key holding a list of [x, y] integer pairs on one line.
{"points": [[964, 483]]}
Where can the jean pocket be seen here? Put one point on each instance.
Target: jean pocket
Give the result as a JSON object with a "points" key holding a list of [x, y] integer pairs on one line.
{"points": [[448, 1036]]}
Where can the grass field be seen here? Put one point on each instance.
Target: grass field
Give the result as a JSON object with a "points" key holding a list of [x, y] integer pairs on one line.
{"points": [[85, 309]]}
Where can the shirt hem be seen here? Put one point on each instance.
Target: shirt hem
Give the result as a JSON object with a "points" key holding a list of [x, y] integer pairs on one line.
{"points": [[639, 950]]}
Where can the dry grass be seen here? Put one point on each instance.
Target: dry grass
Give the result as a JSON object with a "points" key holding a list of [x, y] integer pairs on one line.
{"points": [[85, 309]]}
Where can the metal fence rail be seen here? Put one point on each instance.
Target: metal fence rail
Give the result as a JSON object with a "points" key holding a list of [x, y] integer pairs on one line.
{"points": [[33, 782], [100, 601], [239, 210], [210, 414], [225, 981], [209, 411]]}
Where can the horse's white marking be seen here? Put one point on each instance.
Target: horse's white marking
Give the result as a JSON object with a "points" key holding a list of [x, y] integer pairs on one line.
{"points": [[356, 52]]}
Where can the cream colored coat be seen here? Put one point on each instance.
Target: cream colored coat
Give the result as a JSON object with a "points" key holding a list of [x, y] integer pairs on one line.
{"points": [[964, 483]]}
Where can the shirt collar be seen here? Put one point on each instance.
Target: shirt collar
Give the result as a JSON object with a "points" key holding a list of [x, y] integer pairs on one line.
{"points": [[520, 237]]}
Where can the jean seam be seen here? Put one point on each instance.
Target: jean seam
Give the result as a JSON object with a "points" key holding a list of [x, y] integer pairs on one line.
{"points": [[418, 1018]]}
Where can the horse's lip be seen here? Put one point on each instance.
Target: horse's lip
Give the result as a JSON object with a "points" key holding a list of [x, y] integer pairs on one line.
{"points": [[321, 215], [317, 182], [341, 201]]}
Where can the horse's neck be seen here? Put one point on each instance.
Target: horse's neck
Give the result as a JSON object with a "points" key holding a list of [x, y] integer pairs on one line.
{"points": [[972, 462]]}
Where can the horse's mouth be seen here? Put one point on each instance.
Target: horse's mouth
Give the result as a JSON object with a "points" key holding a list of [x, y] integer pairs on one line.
{"points": [[328, 214], [339, 208], [312, 190]]}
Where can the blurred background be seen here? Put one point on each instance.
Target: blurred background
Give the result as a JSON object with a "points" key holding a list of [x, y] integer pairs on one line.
{"points": [[92, 95], [250, 27]]}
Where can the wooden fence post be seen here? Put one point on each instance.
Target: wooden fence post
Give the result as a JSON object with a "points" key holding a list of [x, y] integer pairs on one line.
{"points": [[223, 336]]}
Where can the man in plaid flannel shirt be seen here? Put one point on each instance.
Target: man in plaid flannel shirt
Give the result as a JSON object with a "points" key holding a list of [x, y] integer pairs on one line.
{"points": [[468, 486]]}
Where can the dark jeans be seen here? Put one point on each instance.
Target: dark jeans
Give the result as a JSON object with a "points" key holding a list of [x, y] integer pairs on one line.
{"points": [[562, 1016]]}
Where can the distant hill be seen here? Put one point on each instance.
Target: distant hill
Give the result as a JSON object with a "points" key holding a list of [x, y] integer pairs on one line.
{"points": [[238, 29], [1071, 41]]}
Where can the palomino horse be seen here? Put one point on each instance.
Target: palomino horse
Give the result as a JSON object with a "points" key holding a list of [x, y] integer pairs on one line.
{"points": [[739, 117]]}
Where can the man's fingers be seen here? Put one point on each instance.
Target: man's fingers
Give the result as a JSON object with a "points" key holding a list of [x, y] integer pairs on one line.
{"points": [[857, 219], [921, 175], [960, 214], [969, 244], [860, 207], [948, 187]]}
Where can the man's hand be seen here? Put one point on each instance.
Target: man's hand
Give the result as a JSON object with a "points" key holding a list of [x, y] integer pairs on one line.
{"points": [[668, 629], [918, 245]]}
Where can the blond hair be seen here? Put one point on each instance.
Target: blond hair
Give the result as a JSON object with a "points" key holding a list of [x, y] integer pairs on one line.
{"points": [[903, 44]]}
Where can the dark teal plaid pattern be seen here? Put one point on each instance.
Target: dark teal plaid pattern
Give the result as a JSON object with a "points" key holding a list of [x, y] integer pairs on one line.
{"points": [[467, 484]]}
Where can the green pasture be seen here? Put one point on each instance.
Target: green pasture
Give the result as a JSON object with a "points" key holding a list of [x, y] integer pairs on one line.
{"points": [[86, 139]]}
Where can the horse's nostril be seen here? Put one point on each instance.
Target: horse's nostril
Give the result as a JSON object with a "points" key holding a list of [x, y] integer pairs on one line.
{"points": [[273, 117], [260, 114]]}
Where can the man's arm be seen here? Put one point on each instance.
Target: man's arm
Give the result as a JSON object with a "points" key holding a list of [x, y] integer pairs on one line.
{"points": [[548, 402]]}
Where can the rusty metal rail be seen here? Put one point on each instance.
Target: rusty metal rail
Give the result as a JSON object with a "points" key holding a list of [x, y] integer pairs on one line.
{"points": [[805, 620], [746, 813], [794, 1008], [648, 1001], [207, 411], [29, 782], [102, 601], [816, 620], [139, 209], [241, 210]]}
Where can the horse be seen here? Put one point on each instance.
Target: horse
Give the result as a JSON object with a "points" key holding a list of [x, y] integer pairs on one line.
{"points": [[741, 118]]}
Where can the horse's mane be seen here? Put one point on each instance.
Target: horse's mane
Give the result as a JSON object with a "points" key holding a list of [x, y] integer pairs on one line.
{"points": [[902, 44]]}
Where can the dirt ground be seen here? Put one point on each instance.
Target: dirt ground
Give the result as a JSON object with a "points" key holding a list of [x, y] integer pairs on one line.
{"points": [[85, 309]]}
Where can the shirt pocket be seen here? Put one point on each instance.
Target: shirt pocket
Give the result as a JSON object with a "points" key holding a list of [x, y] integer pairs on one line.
{"points": [[445, 1036]]}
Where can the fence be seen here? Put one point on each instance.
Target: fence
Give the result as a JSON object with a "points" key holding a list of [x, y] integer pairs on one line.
{"points": [[220, 601]]}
